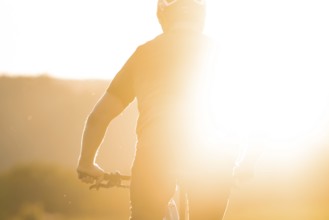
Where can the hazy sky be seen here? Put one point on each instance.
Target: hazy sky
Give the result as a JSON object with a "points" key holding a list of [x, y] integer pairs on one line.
{"points": [[72, 38], [93, 38]]}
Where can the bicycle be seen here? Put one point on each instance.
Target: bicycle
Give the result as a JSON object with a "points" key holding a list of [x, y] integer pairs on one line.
{"points": [[110, 180]]}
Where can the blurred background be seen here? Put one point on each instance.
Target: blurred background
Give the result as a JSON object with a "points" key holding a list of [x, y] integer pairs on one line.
{"points": [[57, 59], [41, 124]]}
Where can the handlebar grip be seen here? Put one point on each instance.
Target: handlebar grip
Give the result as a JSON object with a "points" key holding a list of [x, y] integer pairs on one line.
{"points": [[112, 180]]}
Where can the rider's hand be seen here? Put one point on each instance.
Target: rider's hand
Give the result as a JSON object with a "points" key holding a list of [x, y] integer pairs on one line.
{"points": [[89, 173]]}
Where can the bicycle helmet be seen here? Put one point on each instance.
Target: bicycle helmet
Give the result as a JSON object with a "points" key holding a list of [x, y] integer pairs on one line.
{"points": [[172, 11]]}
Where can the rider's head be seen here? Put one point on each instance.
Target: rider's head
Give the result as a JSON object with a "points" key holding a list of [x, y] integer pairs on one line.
{"points": [[177, 13]]}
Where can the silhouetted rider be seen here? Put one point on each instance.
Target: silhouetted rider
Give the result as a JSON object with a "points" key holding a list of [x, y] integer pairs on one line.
{"points": [[164, 75]]}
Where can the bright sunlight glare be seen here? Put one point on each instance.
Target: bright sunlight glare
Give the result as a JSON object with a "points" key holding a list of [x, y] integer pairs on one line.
{"points": [[272, 71]]}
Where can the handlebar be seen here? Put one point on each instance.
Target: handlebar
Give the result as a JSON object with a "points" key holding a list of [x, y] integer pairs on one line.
{"points": [[109, 180]]}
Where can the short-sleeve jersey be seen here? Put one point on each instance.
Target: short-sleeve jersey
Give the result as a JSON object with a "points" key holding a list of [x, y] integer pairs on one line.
{"points": [[164, 76]]}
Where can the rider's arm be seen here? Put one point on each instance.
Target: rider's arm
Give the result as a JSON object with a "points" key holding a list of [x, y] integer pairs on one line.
{"points": [[106, 109], [118, 96]]}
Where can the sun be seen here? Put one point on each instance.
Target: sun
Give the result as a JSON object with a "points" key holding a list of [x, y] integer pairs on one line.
{"points": [[271, 78]]}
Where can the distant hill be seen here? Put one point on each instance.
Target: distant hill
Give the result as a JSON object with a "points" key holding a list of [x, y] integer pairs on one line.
{"points": [[41, 119]]}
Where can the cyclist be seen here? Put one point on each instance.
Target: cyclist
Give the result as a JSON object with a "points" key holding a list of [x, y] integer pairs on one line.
{"points": [[163, 76]]}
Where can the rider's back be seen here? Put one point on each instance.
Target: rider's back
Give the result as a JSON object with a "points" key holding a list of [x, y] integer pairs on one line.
{"points": [[164, 76]]}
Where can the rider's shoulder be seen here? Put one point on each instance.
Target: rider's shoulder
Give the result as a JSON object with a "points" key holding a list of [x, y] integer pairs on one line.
{"points": [[154, 42], [163, 39]]}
